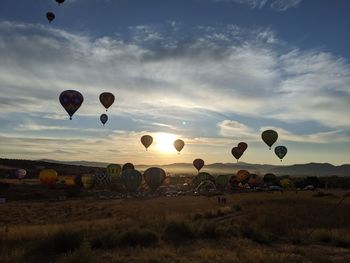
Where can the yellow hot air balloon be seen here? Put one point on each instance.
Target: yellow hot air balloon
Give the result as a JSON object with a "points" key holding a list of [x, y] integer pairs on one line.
{"points": [[88, 180], [179, 144], [114, 171], [48, 177]]}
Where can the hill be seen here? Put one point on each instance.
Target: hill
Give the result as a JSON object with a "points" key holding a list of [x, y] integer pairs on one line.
{"points": [[7, 166]]}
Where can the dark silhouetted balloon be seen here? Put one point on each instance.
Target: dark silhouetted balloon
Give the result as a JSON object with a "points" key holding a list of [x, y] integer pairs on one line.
{"points": [[243, 146], [270, 178], [71, 101], [107, 99], [50, 16], [221, 181], [103, 118], [179, 144], [237, 152], [242, 176], [60, 1], [269, 137], [146, 140], [201, 177], [131, 179], [128, 166], [198, 163], [281, 151], [154, 177]]}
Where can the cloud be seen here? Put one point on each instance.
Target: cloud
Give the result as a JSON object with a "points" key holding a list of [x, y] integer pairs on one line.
{"points": [[165, 81], [278, 5]]}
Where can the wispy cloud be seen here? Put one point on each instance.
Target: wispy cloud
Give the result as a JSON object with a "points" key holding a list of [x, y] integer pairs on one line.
{"points": [[171, 84], [278, 5]]}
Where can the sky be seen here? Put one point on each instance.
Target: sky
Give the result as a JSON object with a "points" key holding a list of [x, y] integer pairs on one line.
{"points": [[211, 72]]}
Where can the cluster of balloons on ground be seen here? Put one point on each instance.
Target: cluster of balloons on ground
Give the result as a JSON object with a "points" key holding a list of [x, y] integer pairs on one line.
{"points": [[131, 179]]}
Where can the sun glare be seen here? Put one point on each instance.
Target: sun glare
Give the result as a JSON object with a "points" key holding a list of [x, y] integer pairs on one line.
{"points": [[165, 142]]}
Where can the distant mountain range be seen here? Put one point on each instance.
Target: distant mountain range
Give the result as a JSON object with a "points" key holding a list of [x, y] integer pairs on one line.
{"points": [[308, 169], [72, 167]]}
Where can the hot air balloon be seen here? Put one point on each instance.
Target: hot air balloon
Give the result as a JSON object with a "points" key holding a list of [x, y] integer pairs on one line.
{"points": [[48, 177], [270, 178], [114, 170], [60, 1], [102, 179], [88, 180], [107, 99], [20, 174], [128, 166], [146, 140], [237, 152], [154, 177], [233, 181], [78, 181], [198, 163], [179, 144], [243, 146], [71, 101], [50, 16], [221, 181], [203, 176], [103, 118], [281, 151], [242, 176], [254, 180], [131, 179], [269, 137], [69, 180]]}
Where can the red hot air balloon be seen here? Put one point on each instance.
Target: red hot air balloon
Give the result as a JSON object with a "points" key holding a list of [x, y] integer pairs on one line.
{"points": [[50, 16], [71, 101], [107, 99], [198, 163], [243, 146], [237, 152]]}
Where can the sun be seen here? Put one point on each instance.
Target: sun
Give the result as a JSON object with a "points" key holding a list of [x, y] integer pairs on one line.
{"points": [[165, 142]]}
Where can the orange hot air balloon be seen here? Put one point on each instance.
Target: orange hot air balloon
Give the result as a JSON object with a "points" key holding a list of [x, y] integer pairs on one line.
{"points": [[107, 99], [48, 177], [269, 137], [198, 163], [70, 180], [146, 140], [179, 144]]}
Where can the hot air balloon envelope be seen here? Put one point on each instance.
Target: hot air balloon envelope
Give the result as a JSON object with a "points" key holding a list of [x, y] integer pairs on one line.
{"points": [[71, 101]]}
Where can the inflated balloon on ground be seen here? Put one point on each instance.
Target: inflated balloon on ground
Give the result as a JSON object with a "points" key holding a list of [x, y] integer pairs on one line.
{"points": [[154, 177]]}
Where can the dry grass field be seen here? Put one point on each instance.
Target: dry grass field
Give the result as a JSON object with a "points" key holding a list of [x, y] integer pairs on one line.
{"points": [[251, 227]]}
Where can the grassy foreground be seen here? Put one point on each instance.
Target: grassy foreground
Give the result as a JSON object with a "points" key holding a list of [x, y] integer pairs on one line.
{"points": [[251, 227]]}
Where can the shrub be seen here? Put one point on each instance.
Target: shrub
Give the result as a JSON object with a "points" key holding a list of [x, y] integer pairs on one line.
{"points": [[83, 254], [257, 235], [106, 240], [58, 243], [138, 237], [178, 232]]}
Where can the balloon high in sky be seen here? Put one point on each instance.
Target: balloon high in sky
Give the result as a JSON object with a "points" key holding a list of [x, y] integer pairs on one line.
{"points": [[215, 74]]}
